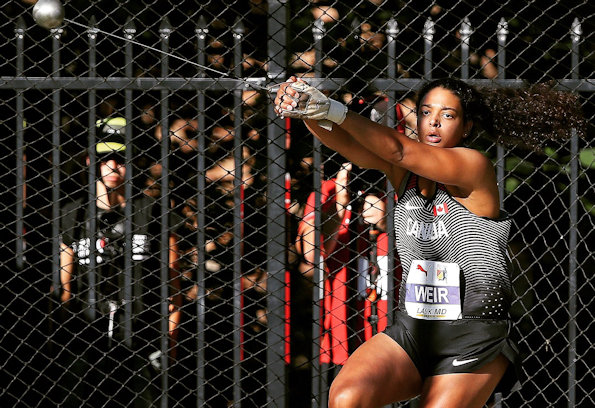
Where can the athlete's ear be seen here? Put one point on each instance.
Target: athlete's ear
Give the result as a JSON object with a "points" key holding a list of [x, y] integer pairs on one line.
{"points": [[88, 161]]}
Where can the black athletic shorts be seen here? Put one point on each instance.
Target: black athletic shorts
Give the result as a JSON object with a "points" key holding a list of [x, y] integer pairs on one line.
{"points": [[456, 346]]}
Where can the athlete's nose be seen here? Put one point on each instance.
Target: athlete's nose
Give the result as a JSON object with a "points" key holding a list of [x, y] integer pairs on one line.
{"points": [[435, 122]]}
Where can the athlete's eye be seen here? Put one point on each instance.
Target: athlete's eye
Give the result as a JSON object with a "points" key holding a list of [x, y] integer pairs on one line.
{"points": [[425, 112], [448, 115]]}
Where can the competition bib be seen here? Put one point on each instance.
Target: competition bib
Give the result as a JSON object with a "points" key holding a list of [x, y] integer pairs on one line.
{"points": [[433, 291]]}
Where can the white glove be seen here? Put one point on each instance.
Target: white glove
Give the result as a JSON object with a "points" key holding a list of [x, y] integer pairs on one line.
{"points": [[313, 104]]}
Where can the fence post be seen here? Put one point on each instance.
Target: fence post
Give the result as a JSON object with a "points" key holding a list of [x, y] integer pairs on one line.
{"points": [[428, 34], [502, 33], [238, 34], [92, 33], [201, 35], [318, 33], [391, 33], [56, 33], [129, 32], [466, 31], [319, 383], [20, 147], [165, 31], [575, 32], [276, 230]]}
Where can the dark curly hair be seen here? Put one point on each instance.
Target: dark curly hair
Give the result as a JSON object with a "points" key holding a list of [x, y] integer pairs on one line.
{"points": [[523, 117]]}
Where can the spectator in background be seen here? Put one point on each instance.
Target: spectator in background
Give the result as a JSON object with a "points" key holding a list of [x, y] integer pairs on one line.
{"points": [[373, 264], [102, 361], [303, 58], [25, 286], [334, 249], [218, 302], [406, 116]]}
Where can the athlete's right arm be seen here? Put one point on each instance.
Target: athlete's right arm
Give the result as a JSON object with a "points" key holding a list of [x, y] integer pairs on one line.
{"points": [[66, 271], [346, 145], [337, 138]]}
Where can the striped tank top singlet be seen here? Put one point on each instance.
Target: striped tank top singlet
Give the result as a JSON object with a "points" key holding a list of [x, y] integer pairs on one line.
{"points": [[455, 263]]}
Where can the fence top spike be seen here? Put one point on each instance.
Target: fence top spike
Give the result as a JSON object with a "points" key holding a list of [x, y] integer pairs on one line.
{"points": [[502, 31], [165, 28], [466, 29], [502, 26], [318, 24], [429, 26], [576, 30], [392, 27], [20, 25], [318, 29], [355, 27], [129, 27], [92, 29], [429, 29], [238, 26], [202, 23]]}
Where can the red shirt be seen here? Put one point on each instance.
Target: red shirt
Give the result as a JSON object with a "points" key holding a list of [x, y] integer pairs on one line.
{"points": [[334, 345]]}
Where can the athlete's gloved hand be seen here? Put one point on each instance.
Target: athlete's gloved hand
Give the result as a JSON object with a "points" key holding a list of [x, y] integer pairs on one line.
{"points": [[310, 103]]}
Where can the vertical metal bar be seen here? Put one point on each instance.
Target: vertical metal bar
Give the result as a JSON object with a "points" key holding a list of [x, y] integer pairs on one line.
{"points": [[391, 32], [56, 33], [319, 385], [92, 176], [502, 34], [428, 34], [318, 32], [466, 32], [276, 215], [164, 32], [572, 270], [238, 34], [201, 35], [576, 32], [129, 32], [20, 148], [318, 277]]}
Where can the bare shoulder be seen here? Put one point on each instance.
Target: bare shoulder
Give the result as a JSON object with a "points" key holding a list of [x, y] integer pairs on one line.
{"points": [[473, 159], [478, 191]]}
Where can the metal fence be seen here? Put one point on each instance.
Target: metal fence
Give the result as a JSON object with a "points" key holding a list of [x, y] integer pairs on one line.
{"points": [[231, 182]]}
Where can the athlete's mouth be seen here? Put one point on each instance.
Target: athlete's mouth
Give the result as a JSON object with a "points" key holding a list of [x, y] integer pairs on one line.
{"points": [[433, 138]]}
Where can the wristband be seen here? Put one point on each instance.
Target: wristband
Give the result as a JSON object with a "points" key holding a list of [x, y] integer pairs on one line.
{"points": [[337, 112]]}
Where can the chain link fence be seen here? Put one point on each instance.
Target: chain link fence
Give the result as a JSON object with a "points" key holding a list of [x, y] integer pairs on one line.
{"points": [[203, 289]]}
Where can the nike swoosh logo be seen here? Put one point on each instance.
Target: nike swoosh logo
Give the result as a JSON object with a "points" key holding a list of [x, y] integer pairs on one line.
{"points": [[411, 207], [457, 363]]}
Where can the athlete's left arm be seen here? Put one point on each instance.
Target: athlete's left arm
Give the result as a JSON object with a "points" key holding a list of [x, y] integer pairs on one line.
{"points": [[466, 168], [457, 166]]}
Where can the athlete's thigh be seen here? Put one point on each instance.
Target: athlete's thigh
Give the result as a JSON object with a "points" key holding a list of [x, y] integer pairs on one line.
{"points": [[469, 390], [377, 373]]}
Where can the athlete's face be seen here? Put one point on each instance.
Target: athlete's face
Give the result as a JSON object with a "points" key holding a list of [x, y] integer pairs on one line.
{"points": [[440, 119], [112, 171]]}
